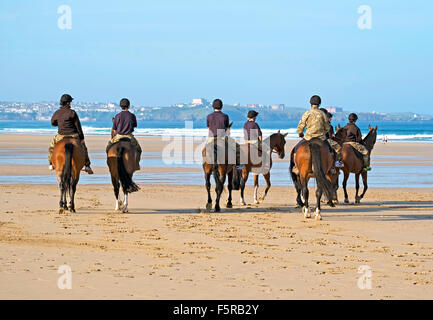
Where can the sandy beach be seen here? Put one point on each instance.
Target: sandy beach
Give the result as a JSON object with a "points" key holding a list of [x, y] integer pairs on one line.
{"points": [[169, 247]]}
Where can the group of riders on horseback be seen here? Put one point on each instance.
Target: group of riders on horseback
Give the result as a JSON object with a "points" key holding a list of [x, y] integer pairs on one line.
{"points": [[319, 154]]}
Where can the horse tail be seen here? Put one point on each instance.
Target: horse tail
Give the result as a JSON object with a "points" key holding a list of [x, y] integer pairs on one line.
{"points": [[236, 180], [292, 165], [322, 181], [215, 162], [67, 167], [125, 178]]}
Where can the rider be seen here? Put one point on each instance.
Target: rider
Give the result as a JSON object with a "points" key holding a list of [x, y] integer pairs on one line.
{"points": [[69, 126], [123, 125], [334, 144], [354, 138], [252, 133], [217, 121], [316, 122], [218, 124]]}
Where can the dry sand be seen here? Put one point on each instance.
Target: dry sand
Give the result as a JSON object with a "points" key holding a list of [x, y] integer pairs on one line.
{"points": [[168, 247]]}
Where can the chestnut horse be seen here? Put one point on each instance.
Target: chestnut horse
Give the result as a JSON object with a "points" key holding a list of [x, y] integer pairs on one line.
{"points": [[274, 143], [220, 168], [68, 159], [353, 163], [121, 160], [314, 159]]}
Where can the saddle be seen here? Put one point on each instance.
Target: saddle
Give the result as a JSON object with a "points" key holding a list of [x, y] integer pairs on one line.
{"points": [[357, 153]]}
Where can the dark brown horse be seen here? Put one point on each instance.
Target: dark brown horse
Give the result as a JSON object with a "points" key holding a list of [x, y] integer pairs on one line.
{"points": [[274, 143], [353, 163], [68, 159], [314, 159], [221, 165], [121, 160]]}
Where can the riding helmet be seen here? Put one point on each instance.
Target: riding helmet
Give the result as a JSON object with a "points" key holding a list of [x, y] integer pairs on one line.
{"points": [[315, 100], [217, 104], [252, 114], [353, 117], [65, 99], [124, 103]]}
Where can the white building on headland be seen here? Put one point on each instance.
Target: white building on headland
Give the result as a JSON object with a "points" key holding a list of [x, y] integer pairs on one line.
{"points": [[199, 102], [334, 109]]}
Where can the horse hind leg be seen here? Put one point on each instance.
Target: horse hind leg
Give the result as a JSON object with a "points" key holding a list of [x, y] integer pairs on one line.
{"points": [[357, 198], [125, 203], [116, 187], [256, 189], [318, 199], [208, 186], [72, 191], [230, 187], [305, 194]]}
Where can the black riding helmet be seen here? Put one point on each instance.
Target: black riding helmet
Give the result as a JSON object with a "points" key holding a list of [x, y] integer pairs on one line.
{"points": [[353, 117], [124, 103], [217, 104], [252, 114], [315, 100], [65, 99]]}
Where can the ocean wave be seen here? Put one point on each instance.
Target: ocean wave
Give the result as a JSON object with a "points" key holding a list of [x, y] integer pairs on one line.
{"points": [[198, 132]]}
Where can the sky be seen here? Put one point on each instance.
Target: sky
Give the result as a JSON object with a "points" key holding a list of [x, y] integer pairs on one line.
{"points": [[246, 51]]}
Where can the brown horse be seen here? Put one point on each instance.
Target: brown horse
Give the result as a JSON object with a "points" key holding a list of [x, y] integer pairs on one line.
{"points": [[353, 163], [274, 143], [313, 159], [220, 166], [121, 160], [68, 159]]}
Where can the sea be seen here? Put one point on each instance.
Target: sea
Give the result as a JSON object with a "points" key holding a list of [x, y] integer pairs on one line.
{"points": [[411, 131], [386, 173]]}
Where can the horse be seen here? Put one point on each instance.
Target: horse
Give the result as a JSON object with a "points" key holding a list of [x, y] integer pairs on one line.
{"points": [[353, 163], [314, 159], [121, 160], [68, 160], [221, 169], [274, 143]]}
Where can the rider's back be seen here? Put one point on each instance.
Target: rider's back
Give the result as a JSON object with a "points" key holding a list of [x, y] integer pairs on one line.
{"points": [[67, 121]]}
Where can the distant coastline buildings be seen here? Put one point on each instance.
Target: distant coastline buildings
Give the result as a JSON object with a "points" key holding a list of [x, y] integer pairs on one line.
{"points": [[195, 110]]}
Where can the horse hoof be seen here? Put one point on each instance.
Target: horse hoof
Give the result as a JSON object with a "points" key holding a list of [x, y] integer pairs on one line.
{"points": [[306, 212], [71, 210], [209, 206], [217, 209], [357, 201], [256, 202], [335, 202], [318, 216], [346, 201], [61, 211], [229, 205], [243, 203]]}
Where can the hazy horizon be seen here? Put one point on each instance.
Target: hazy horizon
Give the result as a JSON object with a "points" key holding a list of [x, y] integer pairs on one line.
{"points": [[167, 52]]}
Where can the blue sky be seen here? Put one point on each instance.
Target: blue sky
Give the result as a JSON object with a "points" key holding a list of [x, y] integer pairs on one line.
{"points": [[164, 52]]}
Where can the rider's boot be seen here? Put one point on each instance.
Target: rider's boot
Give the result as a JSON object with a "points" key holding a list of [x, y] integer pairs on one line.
{"points": [[51, 167]]}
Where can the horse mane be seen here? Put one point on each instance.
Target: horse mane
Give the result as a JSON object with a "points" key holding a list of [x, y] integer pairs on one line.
{"points": [[340, 136]]}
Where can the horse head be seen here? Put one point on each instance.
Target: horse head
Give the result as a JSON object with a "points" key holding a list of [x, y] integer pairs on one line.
{"points": [[370, 138], [340, 135], [277, 143]]}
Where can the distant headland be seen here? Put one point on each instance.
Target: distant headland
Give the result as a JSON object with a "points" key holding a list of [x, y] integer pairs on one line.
{"points": [[196, 110]]}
